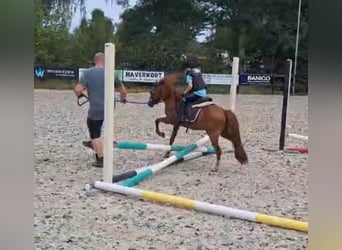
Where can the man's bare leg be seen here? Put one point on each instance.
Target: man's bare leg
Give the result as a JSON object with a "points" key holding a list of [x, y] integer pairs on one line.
{"points": [[98, 146]]}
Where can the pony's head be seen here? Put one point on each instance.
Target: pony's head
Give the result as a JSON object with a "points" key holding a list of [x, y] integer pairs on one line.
{"points": [[157, 93], [162, 90]]}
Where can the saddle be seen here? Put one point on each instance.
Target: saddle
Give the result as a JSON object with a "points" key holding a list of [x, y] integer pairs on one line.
{"points": [[193, 109]]}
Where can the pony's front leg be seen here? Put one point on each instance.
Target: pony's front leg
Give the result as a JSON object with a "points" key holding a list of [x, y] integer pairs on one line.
{"points": [[165, 120], [172, 139]]}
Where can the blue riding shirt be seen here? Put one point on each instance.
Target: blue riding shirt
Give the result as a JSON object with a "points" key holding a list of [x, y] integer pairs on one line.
{"points": [[195, 77]]}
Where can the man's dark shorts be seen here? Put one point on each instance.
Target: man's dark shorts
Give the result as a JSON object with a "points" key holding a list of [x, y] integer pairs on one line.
{"points": [[94, 127]]}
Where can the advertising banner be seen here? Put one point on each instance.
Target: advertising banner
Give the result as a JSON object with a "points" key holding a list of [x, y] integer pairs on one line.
{"points": [[217, 79], [41, 72], [118, 72], [142, 76], [254, 79]]}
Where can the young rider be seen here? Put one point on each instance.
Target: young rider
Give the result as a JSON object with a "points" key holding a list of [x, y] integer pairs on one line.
{"points": [[196, 88]]}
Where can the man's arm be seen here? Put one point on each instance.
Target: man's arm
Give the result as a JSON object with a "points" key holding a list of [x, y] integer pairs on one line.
{"points": [[119, 87], [123, 92], [81, 86]]}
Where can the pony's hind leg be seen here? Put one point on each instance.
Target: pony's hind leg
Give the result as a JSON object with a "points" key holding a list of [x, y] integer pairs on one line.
{"points": [[231, 132], [214, 139]]}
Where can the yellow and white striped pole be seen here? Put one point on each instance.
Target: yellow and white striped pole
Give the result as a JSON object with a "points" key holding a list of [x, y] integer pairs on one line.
{"points": [[205, 207]]}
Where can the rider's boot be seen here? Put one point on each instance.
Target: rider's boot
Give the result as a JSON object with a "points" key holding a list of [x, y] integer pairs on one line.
{"points": [[181, 116]]}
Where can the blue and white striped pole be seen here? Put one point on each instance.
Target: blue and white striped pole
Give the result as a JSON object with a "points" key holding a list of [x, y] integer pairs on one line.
{"points": [[132, 173], [151, 170], [153, 146]]}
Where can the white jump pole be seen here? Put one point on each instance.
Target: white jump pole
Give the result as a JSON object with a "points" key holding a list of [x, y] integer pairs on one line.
{"points": [[235, 82], [108, 152], [299, 137]]}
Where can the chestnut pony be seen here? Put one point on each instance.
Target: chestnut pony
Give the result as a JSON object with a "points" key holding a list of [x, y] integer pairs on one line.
{"points": [[212, 118]]}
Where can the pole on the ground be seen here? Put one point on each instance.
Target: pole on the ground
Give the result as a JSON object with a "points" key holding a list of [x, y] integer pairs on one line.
{"points": [[108, 152], [286, 94]]}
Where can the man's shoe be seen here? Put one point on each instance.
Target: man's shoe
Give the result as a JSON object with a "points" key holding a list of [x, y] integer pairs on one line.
{"points": [[98, 163], [87, 144]]}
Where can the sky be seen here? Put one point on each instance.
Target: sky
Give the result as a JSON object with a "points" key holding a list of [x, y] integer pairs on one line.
{"points": [[111, 10]]}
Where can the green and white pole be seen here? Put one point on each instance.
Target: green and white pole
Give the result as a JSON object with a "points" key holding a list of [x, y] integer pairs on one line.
{"points": [[151, 170]]}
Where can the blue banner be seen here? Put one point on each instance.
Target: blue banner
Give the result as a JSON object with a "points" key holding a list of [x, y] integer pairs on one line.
{"points": [[255, 79], [41, 72]]}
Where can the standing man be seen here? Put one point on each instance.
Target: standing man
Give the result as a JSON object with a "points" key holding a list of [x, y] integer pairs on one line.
{"points": [[91, 84]]}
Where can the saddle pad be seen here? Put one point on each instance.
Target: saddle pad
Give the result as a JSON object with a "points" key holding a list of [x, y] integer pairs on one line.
{"points": [[203, 104]]}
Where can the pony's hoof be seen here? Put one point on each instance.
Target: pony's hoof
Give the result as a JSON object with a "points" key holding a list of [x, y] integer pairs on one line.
{"points": [[161, 134], [214, 169], [167, 155]]}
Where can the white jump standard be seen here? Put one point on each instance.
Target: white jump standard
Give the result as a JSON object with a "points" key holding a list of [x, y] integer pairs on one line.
{"points": [[108, 153], [299, 137]]}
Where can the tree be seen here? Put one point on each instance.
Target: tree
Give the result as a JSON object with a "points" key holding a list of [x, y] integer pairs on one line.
{"points": [[51, 37], [153, 34], [156, 33], [259, 32], [90, 37]]}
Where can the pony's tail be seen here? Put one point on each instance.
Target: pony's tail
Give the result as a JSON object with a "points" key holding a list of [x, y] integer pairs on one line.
{"points": [[231, 132]]}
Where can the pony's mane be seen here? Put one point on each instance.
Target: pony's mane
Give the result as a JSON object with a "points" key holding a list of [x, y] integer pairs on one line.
{"points": [[172, 77], [171, 82]]}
